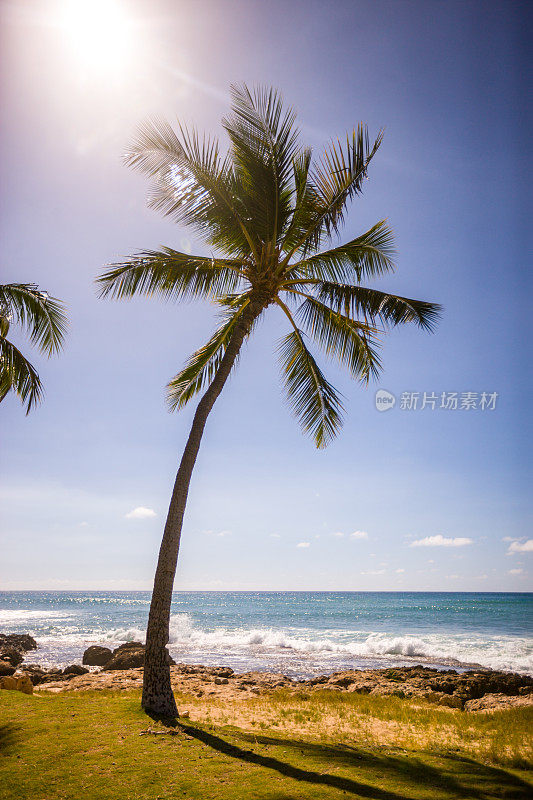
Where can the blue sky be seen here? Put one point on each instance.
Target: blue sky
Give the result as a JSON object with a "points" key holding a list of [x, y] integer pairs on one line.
{"points": [[447, 82]]}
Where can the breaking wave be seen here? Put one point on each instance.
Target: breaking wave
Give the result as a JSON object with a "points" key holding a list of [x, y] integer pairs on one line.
{"points": [[357, 647]]}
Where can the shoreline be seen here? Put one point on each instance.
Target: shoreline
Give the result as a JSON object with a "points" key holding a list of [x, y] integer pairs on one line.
{"points": [[481, 691], [121, 669], [473, 691]]}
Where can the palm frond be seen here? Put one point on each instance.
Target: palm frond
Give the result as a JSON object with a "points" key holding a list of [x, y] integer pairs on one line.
{"points": [[351, 342], [305, 203], [19, 376], [389, 309], [41, 315], [264, 144], [203, 364], [170, 274], [339, 174], [193, 184], [336, 178], [313, 400], [367, 256]]}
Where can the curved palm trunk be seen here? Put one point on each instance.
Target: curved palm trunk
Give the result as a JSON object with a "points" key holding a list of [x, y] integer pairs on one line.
{"points": [[157, 691]]}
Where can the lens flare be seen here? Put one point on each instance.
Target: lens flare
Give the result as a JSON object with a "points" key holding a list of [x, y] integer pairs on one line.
{"points": [[99, 33]]}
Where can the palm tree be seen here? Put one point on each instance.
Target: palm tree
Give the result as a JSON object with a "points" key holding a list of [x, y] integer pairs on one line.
{"points": [[267, 207], [44, 319]]}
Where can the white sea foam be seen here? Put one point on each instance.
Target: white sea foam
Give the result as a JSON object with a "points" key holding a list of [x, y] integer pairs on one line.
{"points": [[186, 639], [118, 635], [10, 616]]}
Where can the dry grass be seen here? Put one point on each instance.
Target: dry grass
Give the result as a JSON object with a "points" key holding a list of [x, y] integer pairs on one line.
{"points": [[502, 737]]}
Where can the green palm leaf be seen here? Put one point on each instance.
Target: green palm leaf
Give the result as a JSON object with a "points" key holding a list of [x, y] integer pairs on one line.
{"points": [[374, 305], [171, 275], [352, 343], [19, 376], [369, 255], [264, 145], [312, 399], [192, 183], [340, 173], [305, 203], [335, 179], [203, 364], [42, 316]]}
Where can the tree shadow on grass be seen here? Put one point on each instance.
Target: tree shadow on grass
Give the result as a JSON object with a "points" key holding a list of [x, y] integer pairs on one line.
{"points": [[10, 736], [455, 776]]}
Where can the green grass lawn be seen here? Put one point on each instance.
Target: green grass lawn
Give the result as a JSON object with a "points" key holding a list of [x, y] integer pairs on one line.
{"points": [[102, 746]]}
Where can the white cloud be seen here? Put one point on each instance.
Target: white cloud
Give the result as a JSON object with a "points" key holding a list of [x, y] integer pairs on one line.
{"points": [[441, 541], [217, 533], [141, 513], [374, 572], [359, 535], [520, 547], [338, 534], [400, 570], [84, 525], [302, 544], [517, 571], [275, 536], [508, 539]]}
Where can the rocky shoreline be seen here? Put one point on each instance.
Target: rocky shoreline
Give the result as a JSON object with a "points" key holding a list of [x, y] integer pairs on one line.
{"points": [[121, 669]]}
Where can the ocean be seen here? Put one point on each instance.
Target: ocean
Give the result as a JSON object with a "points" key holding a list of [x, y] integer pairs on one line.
{"points": [[299, 633]]}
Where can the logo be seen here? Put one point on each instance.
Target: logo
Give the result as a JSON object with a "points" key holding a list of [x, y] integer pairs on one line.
{"points": [[384, 400]]}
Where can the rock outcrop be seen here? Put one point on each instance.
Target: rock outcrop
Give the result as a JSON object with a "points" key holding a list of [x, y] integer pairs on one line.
{"points": [[476, 690], [19, 683], [497, 702], [96, 656], [6, 668], [75, 669], [128, 656], [11, 656], [19, 641], [13, 646]]}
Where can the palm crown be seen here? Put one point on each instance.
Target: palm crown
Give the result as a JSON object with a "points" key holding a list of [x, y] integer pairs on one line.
{"points": [[44, 320], [269, 209]]}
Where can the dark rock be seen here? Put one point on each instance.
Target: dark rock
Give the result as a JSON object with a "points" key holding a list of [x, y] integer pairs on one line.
{"points": [[96, 656], [129, 656], [497, 702], [19, 641], [341, 680], [6, 668], [126, 659], [11, 655], [451, 701], [221, 672], [50, 676], [75, 669], [36, 673]]}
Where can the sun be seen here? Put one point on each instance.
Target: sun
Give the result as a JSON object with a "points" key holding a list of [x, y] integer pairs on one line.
{"points": [[99, 34]]}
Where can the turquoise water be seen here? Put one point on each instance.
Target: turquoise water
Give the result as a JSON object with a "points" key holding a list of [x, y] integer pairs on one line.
{"points": [[300, 633]]}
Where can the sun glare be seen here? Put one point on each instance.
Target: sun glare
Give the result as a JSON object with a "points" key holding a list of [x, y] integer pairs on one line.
{"points": [[99, 34]]}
